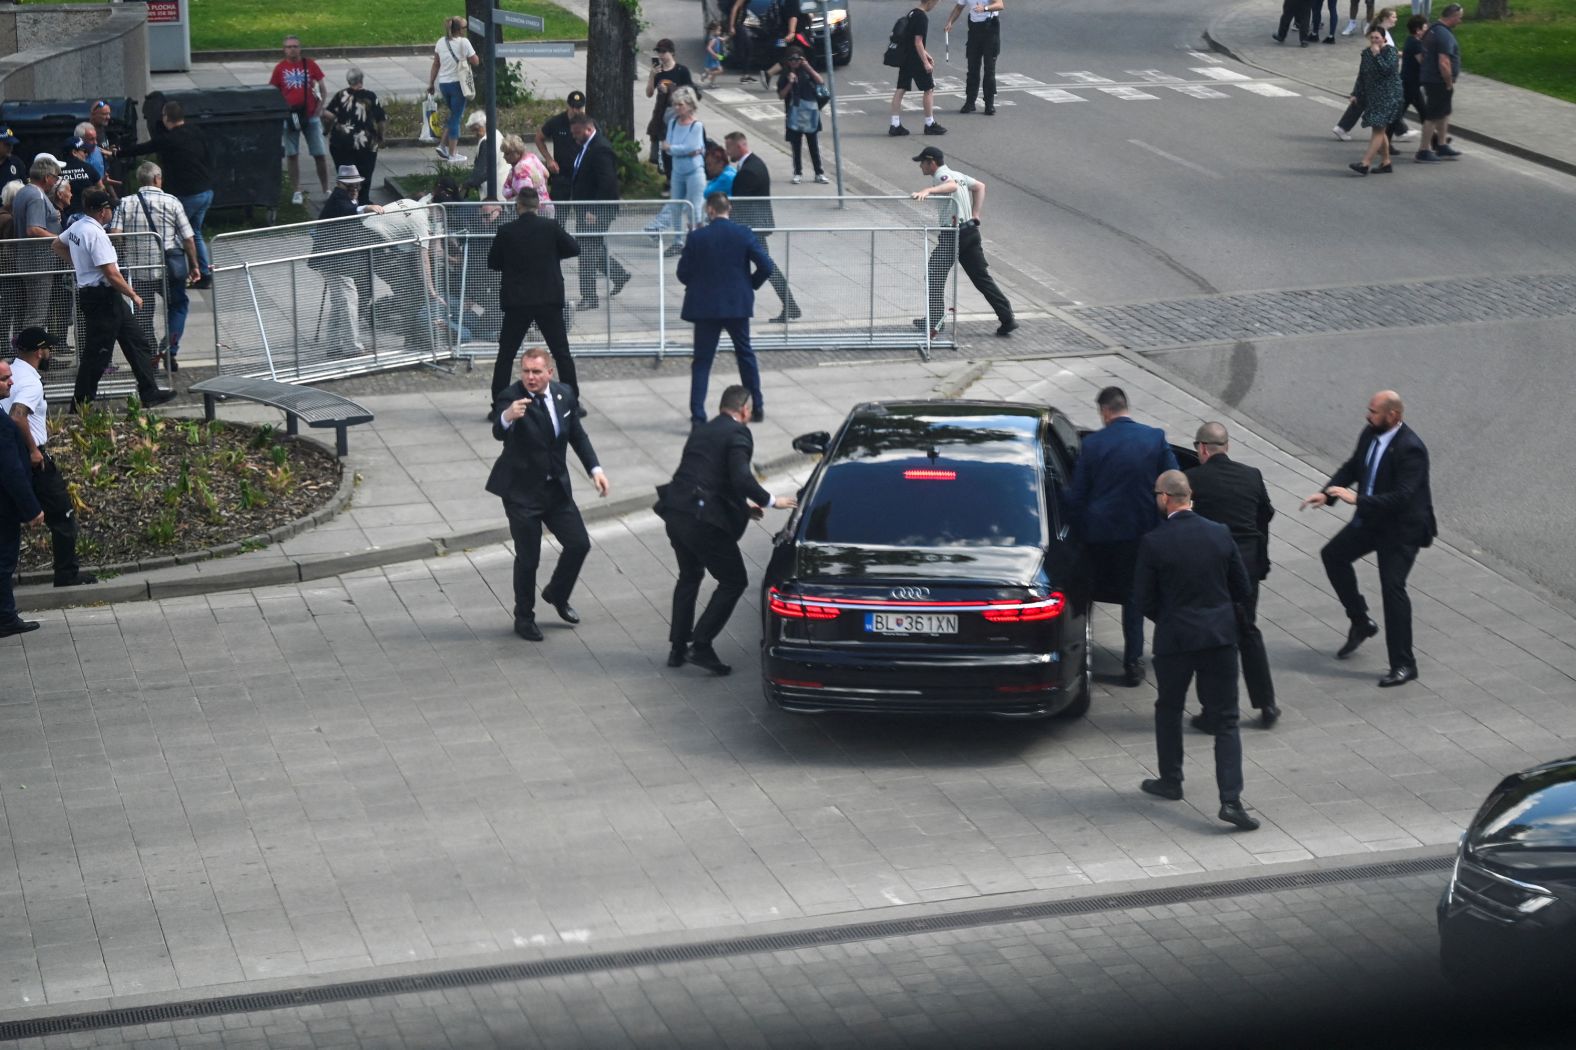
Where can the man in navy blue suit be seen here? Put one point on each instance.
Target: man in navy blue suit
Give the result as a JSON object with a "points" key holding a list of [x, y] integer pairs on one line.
{"points": [[1113, 504], [18, 507], [722, 266], [1191, 581]]}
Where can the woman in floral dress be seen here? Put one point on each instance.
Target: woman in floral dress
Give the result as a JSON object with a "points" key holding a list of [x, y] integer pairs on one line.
{"points": [[1379, 87]]}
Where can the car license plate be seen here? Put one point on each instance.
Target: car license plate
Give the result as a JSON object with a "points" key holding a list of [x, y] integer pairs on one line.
{"points": [[911, 623]]}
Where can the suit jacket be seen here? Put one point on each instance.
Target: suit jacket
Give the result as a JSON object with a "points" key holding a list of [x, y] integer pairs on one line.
{"points": [[714, 478], [1401, 506], [597, 177], [1189, 580], [532, 458], [753, 180], [1113, 491], [527, 252], [17, 502], [1233, 494], [720, 269], [339, 205]]}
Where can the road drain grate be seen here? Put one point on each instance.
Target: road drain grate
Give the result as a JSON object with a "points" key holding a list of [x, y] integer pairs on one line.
{"points": [[594, 962]]}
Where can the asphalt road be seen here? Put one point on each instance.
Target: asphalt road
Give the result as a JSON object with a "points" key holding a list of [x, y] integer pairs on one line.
{"points": [[1128, 165]]}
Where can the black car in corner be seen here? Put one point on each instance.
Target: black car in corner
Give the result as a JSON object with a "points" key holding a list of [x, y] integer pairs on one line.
{"points": [[822, 16], [1509, 911], [929, 568]]}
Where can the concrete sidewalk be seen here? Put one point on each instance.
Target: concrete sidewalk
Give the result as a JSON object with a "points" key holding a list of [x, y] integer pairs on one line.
{"points": [[1512, 119]]}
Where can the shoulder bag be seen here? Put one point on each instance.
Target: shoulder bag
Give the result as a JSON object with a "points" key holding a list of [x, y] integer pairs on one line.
{"points": [[174, 258], [467, 76]]}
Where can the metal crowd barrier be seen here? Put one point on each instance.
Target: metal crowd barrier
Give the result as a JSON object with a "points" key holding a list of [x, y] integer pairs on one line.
{"points": [[340, 297], [630, 245], [38, 288]]}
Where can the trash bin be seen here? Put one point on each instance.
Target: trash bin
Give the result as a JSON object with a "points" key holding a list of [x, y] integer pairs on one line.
{"points": [[45, 125], [244, 128]]}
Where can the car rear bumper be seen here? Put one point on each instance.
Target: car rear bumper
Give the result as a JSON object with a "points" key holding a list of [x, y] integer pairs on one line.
{"points": [[1010, 685]]}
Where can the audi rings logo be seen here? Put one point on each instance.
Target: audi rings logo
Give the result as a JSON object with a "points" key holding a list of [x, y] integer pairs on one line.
{"points": [[911, 593]]}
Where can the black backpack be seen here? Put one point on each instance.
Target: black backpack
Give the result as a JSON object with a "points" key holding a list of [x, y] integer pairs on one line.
{"points": [[898, 45]]}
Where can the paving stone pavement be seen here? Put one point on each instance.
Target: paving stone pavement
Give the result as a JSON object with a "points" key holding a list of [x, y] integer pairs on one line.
{"points": [[1350, 965], [371, 770], [1312, 311]]}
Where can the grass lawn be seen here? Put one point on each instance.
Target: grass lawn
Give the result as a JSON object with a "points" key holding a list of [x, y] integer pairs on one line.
{"points": [[226, 25], [1534, 48]]}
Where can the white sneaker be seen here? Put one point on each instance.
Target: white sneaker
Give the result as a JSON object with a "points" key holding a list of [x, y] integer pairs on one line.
{"points": [[1341, 133], [1351, 27], [456, 158], [1409, 133], [797, 178], [822, 179], [298, 197]]}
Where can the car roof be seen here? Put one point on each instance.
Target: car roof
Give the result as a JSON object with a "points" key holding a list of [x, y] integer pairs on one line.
{"points": [[961, 408]]}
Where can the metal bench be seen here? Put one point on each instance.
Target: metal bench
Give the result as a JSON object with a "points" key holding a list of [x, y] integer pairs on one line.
{"points": [[318, 407]]}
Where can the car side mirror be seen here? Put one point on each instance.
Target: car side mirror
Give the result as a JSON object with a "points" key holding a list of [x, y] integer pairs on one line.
{"points": [[813, 443]]}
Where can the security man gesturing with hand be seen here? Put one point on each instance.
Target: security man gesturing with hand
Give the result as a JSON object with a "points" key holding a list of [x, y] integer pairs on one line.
{"points": [[983, 47]]}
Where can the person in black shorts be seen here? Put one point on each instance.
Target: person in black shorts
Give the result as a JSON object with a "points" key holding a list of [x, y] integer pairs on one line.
{"points": [[915, 72], [1440, 66]]}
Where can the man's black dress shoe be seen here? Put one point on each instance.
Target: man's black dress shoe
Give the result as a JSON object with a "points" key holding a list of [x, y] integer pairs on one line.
{"points": [[528, 630], [1360, 632], [705, 656], [676, 656], [1133, 673], [565, 611], [990, 110], [1203, 724], [1269, 716], [1398, 676], [81, 579], [1233, 813], [17, 627], [968, 107], [618, 284], [757, 415], [1164, 788]]}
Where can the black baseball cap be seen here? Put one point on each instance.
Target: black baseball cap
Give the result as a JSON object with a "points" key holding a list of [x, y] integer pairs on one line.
{"points": [[30, 339], [6, 135], [577, 100], [931, 153]]}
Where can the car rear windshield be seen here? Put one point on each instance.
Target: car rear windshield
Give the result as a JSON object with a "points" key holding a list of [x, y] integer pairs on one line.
{"points": [[916, 481]]}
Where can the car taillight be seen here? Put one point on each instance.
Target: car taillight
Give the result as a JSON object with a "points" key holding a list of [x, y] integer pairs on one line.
{"points": [[930, 475], [1024, 612], [798, 608]]}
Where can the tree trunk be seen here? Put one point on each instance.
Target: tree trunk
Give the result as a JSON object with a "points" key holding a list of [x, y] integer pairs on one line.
{"points": [[1494, 9], [610, 66]]}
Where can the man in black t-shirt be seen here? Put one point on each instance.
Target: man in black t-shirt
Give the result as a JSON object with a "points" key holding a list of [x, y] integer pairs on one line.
{"points": [[555, 131], [666, 75], [74, 169], [916, 71]]}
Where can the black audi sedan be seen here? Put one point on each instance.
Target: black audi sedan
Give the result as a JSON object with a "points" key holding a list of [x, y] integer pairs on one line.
{"points": [[1509, 911], [929, 567]]}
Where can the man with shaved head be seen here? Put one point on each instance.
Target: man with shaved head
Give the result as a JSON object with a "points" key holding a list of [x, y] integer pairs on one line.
{"points": [[1190, 580], [1386, 480], [1233, 494]]}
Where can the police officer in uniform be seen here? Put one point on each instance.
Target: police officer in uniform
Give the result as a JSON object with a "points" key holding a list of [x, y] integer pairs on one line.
{"points": [[983, 47]]}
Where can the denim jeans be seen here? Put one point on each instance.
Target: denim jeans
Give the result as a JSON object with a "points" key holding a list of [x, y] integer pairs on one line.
{"points": [[688, 183], [196, 208], [454, 99]]}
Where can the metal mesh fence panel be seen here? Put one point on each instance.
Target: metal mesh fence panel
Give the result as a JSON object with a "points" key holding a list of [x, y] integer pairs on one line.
{"points": [[621, 294], [38, 288], [340, 297], [857, 271]]}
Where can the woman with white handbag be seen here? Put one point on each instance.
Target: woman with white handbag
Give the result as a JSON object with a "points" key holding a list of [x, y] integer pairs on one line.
{"points": [[453, 72]]}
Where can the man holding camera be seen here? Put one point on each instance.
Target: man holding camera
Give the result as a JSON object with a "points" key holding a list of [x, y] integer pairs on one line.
{"points": [[300, 81]]}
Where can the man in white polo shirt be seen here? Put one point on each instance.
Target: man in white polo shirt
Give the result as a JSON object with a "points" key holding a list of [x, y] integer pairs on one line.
{"points": [[959, 239], [107, 301], [983, 47], [29, 410]]}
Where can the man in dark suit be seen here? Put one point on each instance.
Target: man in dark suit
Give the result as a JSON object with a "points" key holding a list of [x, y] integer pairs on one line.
{"points": [[528, 252], [537, 423], [1189, 580], [721, 267], [1112, 503], [1387, 481], [594, 177], [753, 180], [1234, 495], [707, 505], [18, 507]]}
